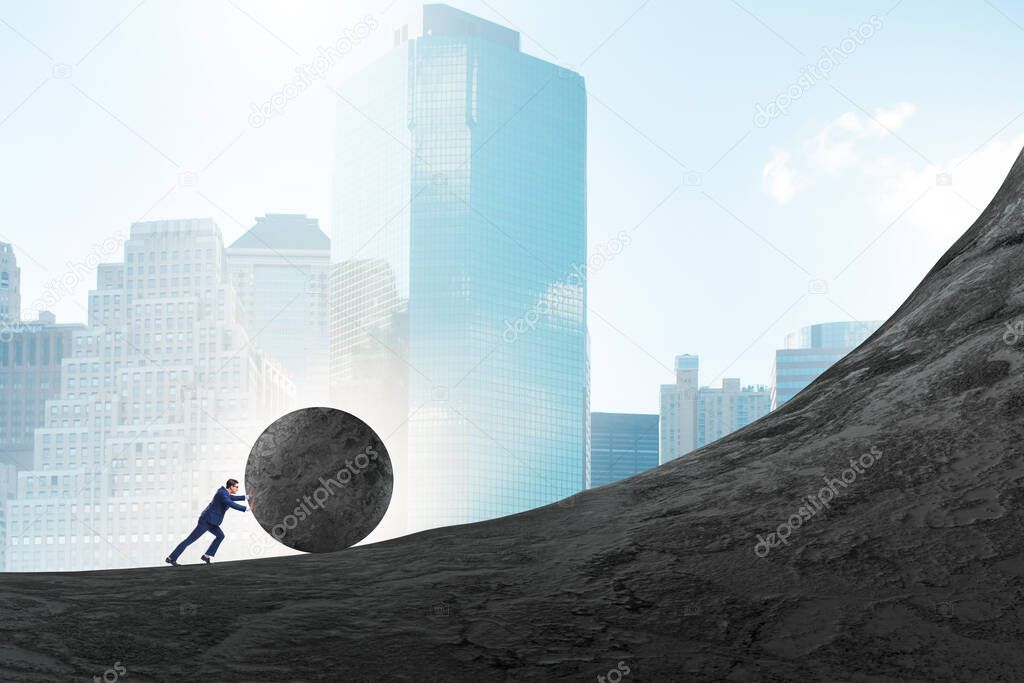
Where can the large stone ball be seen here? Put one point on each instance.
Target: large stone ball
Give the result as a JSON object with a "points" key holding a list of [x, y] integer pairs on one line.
{"points": [[320, 480]]}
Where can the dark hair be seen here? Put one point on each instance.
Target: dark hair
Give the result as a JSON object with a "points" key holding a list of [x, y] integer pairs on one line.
{"points": [[231, 482]]}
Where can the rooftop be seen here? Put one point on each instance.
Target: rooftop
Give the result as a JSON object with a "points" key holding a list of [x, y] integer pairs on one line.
{"points": [[284, 231], [443, 20]]}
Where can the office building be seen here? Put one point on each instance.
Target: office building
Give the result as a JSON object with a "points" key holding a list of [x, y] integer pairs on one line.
{"points": [[723, 410], [10, 285], [162, 395], [810, 351], [678, 426], [31, 354], [30, 366], [280, 270], [459, 230], [621, 445], [693, 416]]}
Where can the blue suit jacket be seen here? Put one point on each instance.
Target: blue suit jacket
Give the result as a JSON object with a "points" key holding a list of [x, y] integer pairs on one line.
{"points": [[222, 500]]}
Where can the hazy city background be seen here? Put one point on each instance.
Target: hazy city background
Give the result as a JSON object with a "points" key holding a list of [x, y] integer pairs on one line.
{"points": [[686, 214]]}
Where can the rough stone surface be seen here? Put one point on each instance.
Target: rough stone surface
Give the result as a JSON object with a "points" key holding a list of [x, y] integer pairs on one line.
{"points": [[320, 480], [915, 571]]}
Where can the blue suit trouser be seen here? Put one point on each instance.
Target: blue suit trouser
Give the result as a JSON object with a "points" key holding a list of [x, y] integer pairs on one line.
{"points": [[201, 528]]}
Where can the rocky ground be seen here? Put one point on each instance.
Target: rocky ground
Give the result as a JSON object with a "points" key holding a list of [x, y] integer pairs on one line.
{"points": [[914, 570]]}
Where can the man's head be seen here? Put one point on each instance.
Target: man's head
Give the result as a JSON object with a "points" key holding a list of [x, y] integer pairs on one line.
{"points": [[232, 485]]}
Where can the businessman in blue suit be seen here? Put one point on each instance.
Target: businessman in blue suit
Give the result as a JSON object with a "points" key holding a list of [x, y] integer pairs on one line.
{"points": [[210, 520]]}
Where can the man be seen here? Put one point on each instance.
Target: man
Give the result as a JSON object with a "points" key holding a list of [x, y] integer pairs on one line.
{"points": [[210, 520]]}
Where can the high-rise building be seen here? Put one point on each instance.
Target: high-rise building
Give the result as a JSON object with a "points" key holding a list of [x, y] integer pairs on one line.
{"points": [[8, 490], [459, 230], [621, 445], [678, 425], [723, 410], [810, 351], [280, 269], [692, 417], [30, 363], [161, 397], [31, 354], [10, 285]]}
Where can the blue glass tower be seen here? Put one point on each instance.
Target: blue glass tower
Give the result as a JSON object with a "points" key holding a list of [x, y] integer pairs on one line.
{"points": [[459, 324]]}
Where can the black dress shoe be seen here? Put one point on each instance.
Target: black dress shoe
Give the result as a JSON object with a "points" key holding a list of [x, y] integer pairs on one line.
{"points": [[171, 562], [206, 559]]}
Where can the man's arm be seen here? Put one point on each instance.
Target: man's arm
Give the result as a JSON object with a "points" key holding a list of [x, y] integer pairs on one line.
{"points": [[228, 498]]}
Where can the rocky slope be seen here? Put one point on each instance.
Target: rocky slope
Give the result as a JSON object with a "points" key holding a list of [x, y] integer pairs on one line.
{"points": [[912, 569]]}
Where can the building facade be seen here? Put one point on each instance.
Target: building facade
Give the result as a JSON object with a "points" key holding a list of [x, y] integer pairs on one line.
{"points": [[693, 416], [723, 410], [460, 223], [30, 365], [10, 285], [678, 426], [810, 351], [162, 395], [31, 354], [280, 269], [621, 445]]}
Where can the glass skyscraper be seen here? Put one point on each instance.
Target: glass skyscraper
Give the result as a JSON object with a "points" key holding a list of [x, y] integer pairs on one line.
{"points": [[810, 351], [458, 323], [621, 445]]}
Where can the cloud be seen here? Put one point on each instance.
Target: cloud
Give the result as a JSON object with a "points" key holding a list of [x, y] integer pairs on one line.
{"points": [[941, 201], [778, 178], [840, 144], [938, 201], [895, 118]]}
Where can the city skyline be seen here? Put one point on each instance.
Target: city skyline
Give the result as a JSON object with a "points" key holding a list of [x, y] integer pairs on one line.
{"points": [[161, 397], [756, 193], [510, 339], [693, 415], [716, 383]]}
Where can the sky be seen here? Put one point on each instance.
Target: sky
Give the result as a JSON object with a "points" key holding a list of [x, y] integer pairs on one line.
{"points": [[774, 166]]}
